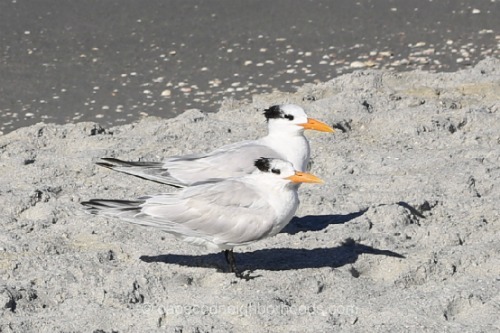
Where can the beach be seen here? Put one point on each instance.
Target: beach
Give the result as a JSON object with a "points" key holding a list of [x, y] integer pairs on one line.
{"points": [[402, 236]]}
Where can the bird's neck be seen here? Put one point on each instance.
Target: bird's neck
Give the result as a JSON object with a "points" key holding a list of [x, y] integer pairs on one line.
{"points": [[293, 146]]}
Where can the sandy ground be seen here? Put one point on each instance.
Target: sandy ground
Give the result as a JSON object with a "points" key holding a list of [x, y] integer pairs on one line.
{"points": [[403, 237]]}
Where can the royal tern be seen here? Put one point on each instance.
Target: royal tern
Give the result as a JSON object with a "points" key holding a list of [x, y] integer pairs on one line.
{"points": [[285, 140], [219, 215]]}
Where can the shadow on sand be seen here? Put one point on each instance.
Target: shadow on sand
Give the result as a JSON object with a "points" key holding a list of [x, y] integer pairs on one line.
{"points": [[278, 259], [318, 222]]}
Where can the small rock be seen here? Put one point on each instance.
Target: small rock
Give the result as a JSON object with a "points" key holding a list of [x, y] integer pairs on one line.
{"points": [[357, 64]]}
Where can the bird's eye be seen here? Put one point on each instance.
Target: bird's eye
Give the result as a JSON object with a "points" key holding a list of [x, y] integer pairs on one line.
{"points": [[289, 117], [276, 171]]}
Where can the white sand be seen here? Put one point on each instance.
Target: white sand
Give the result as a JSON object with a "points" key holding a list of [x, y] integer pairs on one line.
{"points": [[415, 172]]}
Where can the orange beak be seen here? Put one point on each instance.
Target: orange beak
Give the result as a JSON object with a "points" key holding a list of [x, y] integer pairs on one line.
{"points": [[304, 177], [317, 125]]}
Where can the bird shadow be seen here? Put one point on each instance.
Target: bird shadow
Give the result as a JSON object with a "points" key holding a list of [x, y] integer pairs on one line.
{"points": [[278, 259], [318, 222]]}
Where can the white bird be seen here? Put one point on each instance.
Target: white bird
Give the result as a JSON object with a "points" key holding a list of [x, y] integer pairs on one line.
{"points": [[219, 215], [285, 140]]}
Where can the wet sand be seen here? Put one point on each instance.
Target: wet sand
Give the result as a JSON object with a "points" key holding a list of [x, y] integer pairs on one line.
{"points": [[117, 61]]}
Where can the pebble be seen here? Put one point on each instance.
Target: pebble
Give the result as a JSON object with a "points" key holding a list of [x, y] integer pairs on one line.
{"points": [[357, 64]]}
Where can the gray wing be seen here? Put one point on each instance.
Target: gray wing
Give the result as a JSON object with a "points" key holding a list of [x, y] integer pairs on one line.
{"points": [[229, 213], [226, 162]]}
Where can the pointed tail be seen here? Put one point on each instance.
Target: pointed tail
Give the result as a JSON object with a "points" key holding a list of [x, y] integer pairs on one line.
{"points": [[115, 208], [153, 171]]}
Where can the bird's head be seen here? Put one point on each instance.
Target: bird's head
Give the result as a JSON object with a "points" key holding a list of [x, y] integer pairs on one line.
{"points": [[292, 118], [284, 170]]}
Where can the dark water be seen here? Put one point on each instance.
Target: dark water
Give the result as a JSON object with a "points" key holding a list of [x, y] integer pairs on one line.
{"points": [[114, 61]]}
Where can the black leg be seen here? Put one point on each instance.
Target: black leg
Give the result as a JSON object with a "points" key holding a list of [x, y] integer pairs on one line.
{"points": [[229, 254]]}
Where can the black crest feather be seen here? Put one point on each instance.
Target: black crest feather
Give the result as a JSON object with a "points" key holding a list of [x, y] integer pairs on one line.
{"points": [[263, 164], [273, 112]]}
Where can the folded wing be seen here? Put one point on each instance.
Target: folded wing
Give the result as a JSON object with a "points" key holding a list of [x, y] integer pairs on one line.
{"points": [[226, 162]]}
